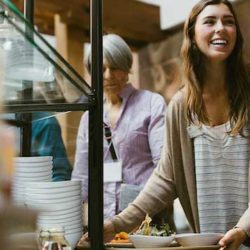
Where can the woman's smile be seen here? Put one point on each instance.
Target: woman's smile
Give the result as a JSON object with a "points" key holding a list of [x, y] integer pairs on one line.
{"points": [[215, 32]]}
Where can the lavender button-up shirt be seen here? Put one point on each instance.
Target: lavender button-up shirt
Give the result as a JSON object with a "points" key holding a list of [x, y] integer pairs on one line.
{"points": [[137, 139]]}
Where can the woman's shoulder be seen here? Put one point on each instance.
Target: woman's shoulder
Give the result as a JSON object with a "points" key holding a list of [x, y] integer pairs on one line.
{"points": [[149, 95], [176, 110], [178, 100]]}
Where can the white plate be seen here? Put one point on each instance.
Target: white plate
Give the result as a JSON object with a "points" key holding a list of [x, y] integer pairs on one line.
{"points": [[198, 239], [33, 169], [66, 225], [144, 241], [31, 165], [56, 185], [49, 195], [58, 190], [25, 180], [50, 206], [33, 159], [62, 213], [73, 238], [58, 219], [53, 201], [124, 245], [38, 174]]}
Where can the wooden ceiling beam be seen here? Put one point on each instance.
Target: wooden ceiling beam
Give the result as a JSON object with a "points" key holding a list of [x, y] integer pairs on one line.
{"points": [[138, 23]]}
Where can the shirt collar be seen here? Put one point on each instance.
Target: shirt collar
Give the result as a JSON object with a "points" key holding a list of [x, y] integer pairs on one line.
{"points": [[125, 93]]}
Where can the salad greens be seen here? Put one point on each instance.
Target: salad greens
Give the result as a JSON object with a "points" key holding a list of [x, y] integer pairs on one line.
{"points": [[147, 229]]}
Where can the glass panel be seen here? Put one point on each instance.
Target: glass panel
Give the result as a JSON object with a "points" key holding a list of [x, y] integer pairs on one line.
{"points": [[33, 72], [47, 130]]}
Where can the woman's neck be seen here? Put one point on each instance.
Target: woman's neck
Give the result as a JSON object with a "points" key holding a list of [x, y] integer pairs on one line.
{"points": [[215, 94], [113, 99], [214, 79]]}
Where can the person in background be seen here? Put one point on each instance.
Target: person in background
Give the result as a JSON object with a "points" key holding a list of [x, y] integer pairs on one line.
{"points": [[206, 152], [133, 124], [46, 131], [47, 141]]}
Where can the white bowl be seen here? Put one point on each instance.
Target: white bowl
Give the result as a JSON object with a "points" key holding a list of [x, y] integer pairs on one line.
{"points": [[67, 228], [19, 179], [51, 201], [64, 212], [33, 165], [44, 168], [33, 159], [77, 230], [49, 195], [56, 217], [68, 223], [73, 238], [57, 184], [50, 208], [198, 239], [145, 241], [34, 174], [58, 190]]}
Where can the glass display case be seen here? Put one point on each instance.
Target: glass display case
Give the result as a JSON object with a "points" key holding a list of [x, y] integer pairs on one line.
{"points": [[34, 73], [36, 78]]}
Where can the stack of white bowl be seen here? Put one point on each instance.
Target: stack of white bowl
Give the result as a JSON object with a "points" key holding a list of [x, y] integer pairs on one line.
{"points": [[60, 205], [29, 169]]}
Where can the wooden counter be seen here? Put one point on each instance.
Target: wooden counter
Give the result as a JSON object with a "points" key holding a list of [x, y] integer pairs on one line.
{"points": [[164, 248]]}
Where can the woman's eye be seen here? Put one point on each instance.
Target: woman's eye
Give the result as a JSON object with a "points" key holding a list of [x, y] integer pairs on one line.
{"points": [[229, 22], [209, 21]]}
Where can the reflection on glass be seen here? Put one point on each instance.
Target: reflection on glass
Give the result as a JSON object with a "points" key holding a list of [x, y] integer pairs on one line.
{"points": [[29, 62], [23, 62], [46, 140]]}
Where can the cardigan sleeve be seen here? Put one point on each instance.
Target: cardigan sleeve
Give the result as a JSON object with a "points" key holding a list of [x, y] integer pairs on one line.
{"points": [[158, 193], [244, 223]]}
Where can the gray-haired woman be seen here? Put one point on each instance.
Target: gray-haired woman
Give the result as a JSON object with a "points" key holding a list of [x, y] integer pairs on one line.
{"points": [[135, 120]]}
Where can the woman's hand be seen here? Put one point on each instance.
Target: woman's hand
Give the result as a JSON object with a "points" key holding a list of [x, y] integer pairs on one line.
{"points": [[108, 234], [108, 231], [233, 239], [84, 241]]}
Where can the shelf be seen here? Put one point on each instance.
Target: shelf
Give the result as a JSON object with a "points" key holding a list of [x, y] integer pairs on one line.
{"points": [[33, 71]]}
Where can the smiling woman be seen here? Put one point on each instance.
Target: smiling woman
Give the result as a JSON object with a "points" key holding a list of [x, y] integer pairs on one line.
{"points": [[206, 153], [215, 32]]}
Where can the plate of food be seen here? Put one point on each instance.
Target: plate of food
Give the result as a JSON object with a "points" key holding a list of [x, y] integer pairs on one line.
{"points": [[120, 240]]}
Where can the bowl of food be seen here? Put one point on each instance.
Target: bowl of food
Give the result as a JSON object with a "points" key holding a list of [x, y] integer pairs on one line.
{"points": [[198, 239], [152, 236], [147, 241]]}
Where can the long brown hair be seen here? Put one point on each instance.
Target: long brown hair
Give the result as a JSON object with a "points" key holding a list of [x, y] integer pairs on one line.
{"points": [[237, 78]]}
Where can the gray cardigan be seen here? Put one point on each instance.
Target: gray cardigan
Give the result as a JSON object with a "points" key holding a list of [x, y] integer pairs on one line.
{"points": [[174, 176]]}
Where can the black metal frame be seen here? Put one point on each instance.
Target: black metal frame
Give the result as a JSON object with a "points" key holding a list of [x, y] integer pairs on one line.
{"points": [[26, 118], [95, 215], [93, 103]]}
